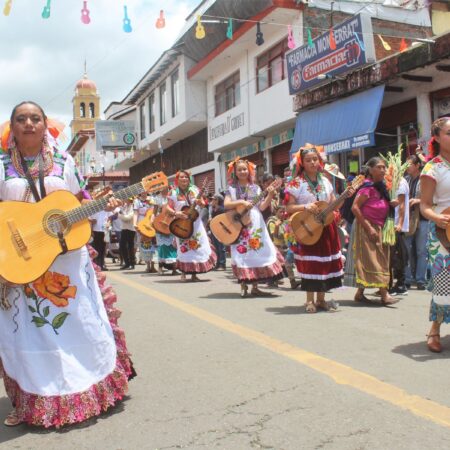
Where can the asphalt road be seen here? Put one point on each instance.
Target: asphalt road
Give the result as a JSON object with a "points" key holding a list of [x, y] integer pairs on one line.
{"points": [[218, 371]]}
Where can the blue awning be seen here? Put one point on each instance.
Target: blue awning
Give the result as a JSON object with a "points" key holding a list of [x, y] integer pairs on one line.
{"points": [[342, 125]]}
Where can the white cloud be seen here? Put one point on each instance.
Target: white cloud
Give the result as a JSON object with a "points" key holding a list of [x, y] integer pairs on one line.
{"points": [[41, 60]]}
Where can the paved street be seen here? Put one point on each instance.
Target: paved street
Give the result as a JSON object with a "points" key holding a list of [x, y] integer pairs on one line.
{"points": [[218, 371]]}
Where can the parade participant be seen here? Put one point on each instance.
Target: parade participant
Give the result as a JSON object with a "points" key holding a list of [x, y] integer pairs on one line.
{"points": [[194, 255], [416, 237], [216, 209], [63, 358], [434, 205], [335, 177], [254, 258], [127, 235], [99, 223], [320, 264], [167, 253], [145, 245], [368, 258]]}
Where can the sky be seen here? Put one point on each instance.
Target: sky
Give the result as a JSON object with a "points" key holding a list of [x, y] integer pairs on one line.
{"points": [[41, 60]]}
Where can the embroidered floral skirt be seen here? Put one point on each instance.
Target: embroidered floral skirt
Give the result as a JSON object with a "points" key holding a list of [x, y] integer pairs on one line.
{"points": [[320, 265], [67, 409], [440, 279], [191, 268], [265, 274]]}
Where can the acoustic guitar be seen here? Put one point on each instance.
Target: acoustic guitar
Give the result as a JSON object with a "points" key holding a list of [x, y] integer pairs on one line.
{"points": [[184, 228], [34, 234], [162, 221], [308, 227], [145, 226], [227, 226], [444, 234]]}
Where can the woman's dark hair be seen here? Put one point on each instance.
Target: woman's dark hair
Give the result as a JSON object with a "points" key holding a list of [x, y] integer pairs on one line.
{"points": [[414, 159], [372, 163], [433, 147], [28, 102]]}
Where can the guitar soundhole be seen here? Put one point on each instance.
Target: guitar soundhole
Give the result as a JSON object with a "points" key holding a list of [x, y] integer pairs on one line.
{"points": [[56, 222]]}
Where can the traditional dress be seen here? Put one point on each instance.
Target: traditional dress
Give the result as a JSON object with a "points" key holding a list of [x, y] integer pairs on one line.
{"points": [[62, 356], [167, 253], [254, 257], [319, 265], [194, 255], [367, 264], [147, 246], [438, 169]]}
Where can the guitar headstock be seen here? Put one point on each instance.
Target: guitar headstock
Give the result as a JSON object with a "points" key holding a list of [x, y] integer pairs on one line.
{"points": [[357, 181], [276, 184], [155, 182], [101, 193]]}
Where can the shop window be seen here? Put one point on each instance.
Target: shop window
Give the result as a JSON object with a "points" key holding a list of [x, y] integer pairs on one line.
{"points": [[271, 66], [142, 120], [227, 94], [175, 88], [162, 104], [151, 113]]}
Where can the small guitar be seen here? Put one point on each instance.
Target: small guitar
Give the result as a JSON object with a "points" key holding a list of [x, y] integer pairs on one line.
{"points": [[308, 227], [46, 10], [34, 234], [85, 17], [7, 7], [444, 235], [161, 222], [183, 228], [161, 21], [126, 21], [227, 226], [200, 32], [145, 226]]}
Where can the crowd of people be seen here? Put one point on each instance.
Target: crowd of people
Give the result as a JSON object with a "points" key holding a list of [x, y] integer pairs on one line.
{"points": [[81, 363]]}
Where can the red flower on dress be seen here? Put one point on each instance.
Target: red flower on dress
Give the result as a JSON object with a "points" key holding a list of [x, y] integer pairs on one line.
{"points": [[241, 249]]}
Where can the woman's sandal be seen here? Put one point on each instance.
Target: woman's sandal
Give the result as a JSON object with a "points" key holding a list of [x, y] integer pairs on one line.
{"points": [[244, 290], [12, 419], [435, 345], [183, 278], [322, 305], [194, 278], [361, 299], [310, 308], [390, 301], [257, 293]]}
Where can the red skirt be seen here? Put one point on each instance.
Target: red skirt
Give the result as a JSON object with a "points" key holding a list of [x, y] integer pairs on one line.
{"points": [[320, 265]]}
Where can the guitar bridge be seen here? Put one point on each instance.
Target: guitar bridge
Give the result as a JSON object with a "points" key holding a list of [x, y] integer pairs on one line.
{"points": [[19, 243]]}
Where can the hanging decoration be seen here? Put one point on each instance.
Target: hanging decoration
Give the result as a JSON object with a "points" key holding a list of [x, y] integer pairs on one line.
{"points": [[310, 39], [291, 41], [360, 43], [126, 21], [85, 14], [332, 40], [160, 21], [46, 10], [7, 7], [259, 35], [386, 45], [200, 29], [403, 45], [230, 29]]}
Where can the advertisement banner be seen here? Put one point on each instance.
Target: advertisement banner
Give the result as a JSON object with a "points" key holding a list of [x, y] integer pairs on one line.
{"points": [[312, 63], [115, 134]]}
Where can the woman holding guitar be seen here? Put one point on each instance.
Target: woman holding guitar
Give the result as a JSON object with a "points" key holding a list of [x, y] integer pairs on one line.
{"points": [[59, 325], [320, 264], [254, 257], [194, 255], [435, 206]]}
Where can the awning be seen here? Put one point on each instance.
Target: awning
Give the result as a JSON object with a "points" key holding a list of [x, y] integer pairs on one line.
{"points": [[342, 125]]}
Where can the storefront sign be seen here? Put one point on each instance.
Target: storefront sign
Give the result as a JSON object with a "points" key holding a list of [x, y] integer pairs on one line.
{"points": [[354, 48], [365, 140], [230, 124], [115, 134]]}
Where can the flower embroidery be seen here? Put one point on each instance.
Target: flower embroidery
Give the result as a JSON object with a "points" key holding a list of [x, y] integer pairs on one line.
{"points": [[193, 243], [54, 287], [250, 241]]}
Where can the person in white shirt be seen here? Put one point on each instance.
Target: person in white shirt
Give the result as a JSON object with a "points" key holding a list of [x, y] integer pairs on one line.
{"points": [[98, 222], [127, 235]]}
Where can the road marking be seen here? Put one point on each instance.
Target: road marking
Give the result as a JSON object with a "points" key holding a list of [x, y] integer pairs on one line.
{"points": [[340, 373]]}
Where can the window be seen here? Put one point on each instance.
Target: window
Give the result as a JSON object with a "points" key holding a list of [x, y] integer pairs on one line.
{"points": [[162, 104], [142, 120], [82, 110], [228, 94], [151, 112], [91, 110], [175, 85], [271, 67]]}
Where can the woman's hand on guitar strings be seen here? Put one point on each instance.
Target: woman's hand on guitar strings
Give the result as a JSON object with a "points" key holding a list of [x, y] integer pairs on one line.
{"points": [[442, 221], [113, 203], [180, 215], [311, 208]]}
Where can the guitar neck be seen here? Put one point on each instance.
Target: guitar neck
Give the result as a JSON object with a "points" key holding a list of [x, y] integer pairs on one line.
{"points": [[84, 211], [333, 205]]}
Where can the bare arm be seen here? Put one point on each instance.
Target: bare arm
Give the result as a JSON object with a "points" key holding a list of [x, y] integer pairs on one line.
{"points": [[232, 204], [356, 210], [428, 187], [266, 202], [401, 212]]}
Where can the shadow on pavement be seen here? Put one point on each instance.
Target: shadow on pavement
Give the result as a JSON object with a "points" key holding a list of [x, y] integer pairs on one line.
{"points": [[237, 296], [368, 304], [10, 433], [419, 352]]}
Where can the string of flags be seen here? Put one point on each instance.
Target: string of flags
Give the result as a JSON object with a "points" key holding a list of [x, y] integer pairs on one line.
{"points": [[200, 31]]}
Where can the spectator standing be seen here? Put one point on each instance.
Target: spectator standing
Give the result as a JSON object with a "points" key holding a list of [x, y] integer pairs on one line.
{"points": [[127, 235]]}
